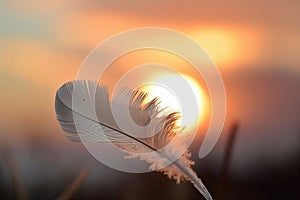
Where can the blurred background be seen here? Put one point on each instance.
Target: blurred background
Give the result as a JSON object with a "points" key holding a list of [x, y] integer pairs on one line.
{"points": [[255, 44]]}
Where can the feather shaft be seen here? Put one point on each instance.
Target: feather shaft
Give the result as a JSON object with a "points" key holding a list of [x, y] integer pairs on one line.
{"points": [[65, 114]]}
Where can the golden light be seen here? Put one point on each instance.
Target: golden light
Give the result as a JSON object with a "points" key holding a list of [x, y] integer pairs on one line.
{"points": [[199, 94], [227, 46], [171, 101]]}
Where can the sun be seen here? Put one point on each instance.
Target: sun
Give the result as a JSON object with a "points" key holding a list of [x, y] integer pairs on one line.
{"points": [[170, 101]]}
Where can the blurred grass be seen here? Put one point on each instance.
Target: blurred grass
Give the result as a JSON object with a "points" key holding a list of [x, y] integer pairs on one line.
{"points": [[18, 184], [74, 186], [107, 184]]}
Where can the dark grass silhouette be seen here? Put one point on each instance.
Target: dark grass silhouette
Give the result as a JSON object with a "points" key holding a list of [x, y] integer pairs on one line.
{"points": [[272, 183]]}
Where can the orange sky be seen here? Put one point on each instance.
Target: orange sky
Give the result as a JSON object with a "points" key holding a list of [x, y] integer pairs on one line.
{"points": [[58, 35], [45, 43]]}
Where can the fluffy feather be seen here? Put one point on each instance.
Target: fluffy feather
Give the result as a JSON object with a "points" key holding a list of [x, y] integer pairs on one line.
{"points": [[101, 127]]}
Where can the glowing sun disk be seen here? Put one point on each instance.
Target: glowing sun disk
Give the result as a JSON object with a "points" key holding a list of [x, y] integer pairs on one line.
{"points": [[172, 102]]}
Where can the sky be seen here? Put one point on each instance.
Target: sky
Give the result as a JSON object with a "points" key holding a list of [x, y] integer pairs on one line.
{"points": [[255, 44]]}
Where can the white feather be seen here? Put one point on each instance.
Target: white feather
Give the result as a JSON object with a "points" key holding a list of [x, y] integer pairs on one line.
{"points": [[101, 127]]}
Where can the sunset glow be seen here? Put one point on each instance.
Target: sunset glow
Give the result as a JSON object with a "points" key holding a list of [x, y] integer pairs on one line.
{"points": [[244, 129], [227, 46], [172, 102]]}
